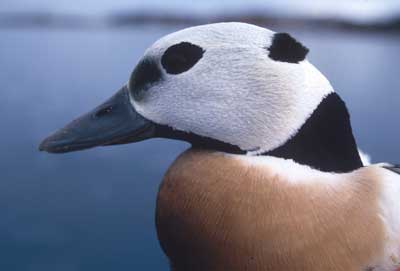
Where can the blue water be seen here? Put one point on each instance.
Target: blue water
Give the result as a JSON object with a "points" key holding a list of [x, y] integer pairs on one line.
{"points": [[94, 210]]}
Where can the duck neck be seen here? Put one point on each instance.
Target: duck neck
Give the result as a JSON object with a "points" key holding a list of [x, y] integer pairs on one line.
{"points": [[325, 141]]}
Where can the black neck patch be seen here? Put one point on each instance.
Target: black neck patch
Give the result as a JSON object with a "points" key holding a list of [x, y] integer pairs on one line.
{"points": [[285, 48], [325, 141]]}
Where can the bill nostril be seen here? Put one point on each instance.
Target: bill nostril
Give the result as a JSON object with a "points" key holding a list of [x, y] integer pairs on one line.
{"points": [[103, 111]]}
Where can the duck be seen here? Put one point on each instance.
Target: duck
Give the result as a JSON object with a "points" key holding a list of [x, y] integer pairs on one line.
{"points": [[273, 179]]}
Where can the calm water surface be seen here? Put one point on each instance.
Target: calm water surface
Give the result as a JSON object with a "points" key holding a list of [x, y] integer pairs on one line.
{"points": [[94, 210]]}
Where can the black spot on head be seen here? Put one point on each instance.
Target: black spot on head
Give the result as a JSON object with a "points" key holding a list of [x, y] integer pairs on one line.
{"points": [[181, 57], [146, 72], [287, 49]]}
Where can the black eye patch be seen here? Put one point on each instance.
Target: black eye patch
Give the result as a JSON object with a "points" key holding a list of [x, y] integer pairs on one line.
{"points": [[181, 57], [285, 48], [145, 73]]}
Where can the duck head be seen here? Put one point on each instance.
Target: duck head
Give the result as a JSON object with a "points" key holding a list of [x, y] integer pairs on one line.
{"points": [[231, 87]]}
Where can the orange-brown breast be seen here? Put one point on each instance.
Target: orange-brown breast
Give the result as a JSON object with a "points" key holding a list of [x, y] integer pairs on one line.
{"points": [[214, 212]]}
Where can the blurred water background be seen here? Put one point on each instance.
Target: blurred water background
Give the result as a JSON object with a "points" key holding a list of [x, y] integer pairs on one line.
{"points": [[94, 210]]}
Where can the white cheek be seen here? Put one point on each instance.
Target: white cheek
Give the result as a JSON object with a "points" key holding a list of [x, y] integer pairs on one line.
{"points": [[242, 98]]}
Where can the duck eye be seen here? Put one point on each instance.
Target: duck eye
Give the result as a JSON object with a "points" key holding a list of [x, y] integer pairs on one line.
{"points": [[181, 57]]}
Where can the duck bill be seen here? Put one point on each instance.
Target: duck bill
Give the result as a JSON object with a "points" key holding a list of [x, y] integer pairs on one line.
{"points": [[113, 122]]}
